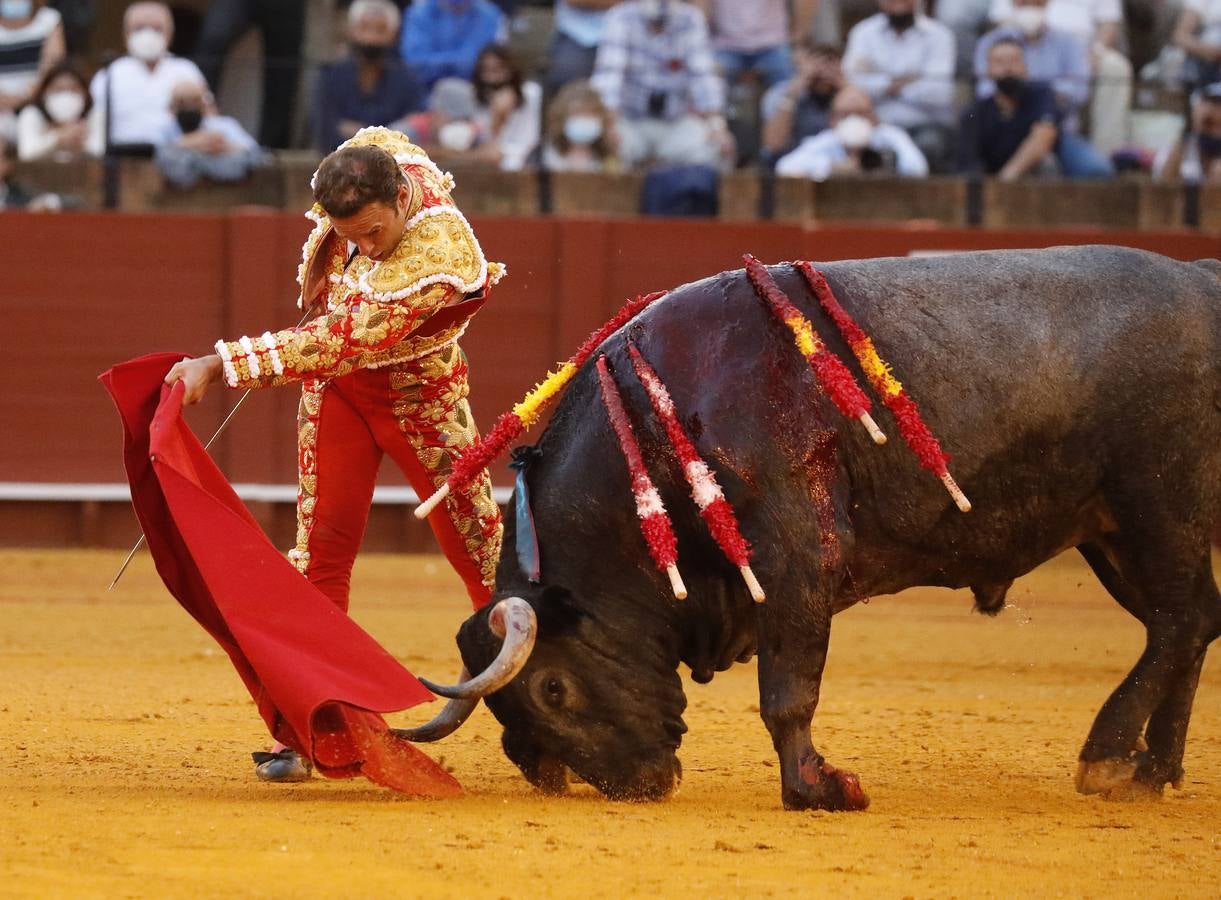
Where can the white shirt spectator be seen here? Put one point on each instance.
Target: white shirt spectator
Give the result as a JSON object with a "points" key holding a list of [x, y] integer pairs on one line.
{"points": [[36, 135], [141, 96], [1079, 17], [876, 54], [1209, 12], [816, 157], [673, 68], [520, 134]]}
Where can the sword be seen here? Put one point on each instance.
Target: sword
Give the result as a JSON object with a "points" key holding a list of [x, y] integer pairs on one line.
{"points": [[219, 431]]}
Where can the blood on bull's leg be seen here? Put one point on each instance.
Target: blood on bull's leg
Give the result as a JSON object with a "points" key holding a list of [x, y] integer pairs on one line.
{"points": [[793, 640]]}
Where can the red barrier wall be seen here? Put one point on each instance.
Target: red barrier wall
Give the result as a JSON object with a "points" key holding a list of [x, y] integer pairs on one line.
{"points": [[86, 290]]}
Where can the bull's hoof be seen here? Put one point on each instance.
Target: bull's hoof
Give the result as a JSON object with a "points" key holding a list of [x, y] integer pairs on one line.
{"points": [[823, 786], [1115, 779]]}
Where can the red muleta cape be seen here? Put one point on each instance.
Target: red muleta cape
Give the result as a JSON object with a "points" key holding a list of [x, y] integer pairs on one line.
{"points": [[318, 679]]}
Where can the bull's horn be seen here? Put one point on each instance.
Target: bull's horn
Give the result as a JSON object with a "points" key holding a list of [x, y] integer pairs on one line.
{"points": [[447, 721], [512, 619]]}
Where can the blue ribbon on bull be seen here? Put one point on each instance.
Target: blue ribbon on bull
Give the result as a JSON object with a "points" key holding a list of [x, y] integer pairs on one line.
{"points": [[527, 537]]}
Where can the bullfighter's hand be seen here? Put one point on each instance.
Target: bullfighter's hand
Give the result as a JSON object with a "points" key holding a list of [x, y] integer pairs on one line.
{"points": [[196, 375]]}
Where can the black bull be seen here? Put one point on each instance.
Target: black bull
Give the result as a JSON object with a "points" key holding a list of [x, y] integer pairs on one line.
{"points": [[1079, 393]]}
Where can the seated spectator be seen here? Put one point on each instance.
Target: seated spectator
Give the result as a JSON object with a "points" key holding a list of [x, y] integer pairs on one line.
{"points": [[371, 85], [1097, 24], [1195, 156], [139, 85], [61, 122], [801, 107], [1055, 57], [1017, 130], [754, 37], [510, 110], [199, 143], [856, 143], [1198, 33], [448, 129], [580, 131], [905, 62], [574, 45], [656, 73], [442, 38], [281, 25], [31, 42]]}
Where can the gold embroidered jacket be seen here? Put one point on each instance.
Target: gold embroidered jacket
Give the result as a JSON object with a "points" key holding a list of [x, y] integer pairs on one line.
{"points": [[372, 308]]}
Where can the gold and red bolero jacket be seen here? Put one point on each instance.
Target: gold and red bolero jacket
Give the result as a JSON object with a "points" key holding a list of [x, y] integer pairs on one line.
{"points": [[376, 313]]}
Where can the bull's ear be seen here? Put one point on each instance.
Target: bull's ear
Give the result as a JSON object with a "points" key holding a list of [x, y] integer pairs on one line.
{"points": [[557, 611]]}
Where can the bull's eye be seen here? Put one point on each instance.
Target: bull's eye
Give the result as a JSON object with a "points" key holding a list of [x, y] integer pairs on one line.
{"points": [[550, 689]]}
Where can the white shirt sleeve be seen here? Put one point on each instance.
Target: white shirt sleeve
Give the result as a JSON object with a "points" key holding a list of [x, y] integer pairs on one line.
{"points": [[934, 90], [909, 161], [859, 55], [35, 136], [813, 158]]}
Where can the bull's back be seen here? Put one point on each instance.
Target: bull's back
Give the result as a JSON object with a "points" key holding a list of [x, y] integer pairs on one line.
{"points": [[1045, 374]]}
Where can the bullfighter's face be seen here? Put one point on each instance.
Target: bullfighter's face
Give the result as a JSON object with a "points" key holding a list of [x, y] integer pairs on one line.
{"points": [[602, 699]]}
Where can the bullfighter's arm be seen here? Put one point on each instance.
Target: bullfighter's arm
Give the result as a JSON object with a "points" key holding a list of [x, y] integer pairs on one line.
{"points": [[331, 345]]}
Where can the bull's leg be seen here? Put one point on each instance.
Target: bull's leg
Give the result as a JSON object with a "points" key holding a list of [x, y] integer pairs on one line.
{"points": [[793, 638], [1167, 729], [1159, 690]]}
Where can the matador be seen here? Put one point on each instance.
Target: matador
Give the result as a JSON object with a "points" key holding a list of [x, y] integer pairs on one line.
{"points": [[394, 273]]}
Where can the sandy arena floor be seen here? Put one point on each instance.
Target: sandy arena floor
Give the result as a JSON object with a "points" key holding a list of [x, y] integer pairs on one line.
{"points": [[125, 735]]}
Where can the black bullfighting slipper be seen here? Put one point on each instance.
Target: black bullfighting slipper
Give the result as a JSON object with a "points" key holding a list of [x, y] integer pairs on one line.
{"points": [[285, 766]]}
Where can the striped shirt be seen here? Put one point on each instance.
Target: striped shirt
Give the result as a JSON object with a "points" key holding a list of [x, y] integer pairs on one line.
{"points": [[657, 67], [21, 51]]}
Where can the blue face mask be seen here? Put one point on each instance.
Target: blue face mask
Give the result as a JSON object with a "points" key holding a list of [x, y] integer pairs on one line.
{"points": [[582, 129], [16, 9], [1210, 145]]}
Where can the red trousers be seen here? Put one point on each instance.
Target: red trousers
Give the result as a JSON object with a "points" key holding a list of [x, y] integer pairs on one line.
{"points": [[418, 414]]}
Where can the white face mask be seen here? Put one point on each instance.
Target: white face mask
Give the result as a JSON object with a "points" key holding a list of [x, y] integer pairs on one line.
{"points": [[64, 106], [16, 9], [582, 129], [456, 135], [854, 132], [147, 44], [1029, 19]]}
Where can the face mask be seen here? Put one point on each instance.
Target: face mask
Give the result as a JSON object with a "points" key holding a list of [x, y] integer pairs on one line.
{"points": [[1010, 85], [64, 106], [456, 135], [1029, 19], [1209, 144], [370, 52], [902, 21], [582, 129], [147, 44], [854, 131], [16, 9], [189, 119]]}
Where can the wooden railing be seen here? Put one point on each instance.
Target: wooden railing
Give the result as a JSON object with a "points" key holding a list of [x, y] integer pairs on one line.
{"points": [[1129, 203]]}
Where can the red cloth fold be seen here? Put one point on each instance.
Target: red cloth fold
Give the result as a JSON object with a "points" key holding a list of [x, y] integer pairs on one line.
{"points": [[318, 679]]}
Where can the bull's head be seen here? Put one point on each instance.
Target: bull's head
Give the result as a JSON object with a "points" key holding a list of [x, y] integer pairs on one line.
{"points": [[600, 698]]}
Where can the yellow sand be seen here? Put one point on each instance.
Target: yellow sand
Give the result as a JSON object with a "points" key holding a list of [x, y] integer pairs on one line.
{"points": [[124, 767]]}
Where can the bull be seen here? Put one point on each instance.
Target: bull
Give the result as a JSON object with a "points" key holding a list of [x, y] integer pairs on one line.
{"points": [[1079, 392]]}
